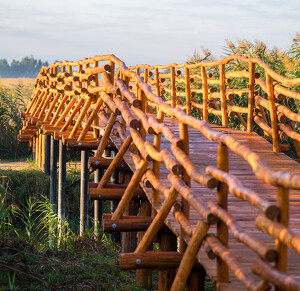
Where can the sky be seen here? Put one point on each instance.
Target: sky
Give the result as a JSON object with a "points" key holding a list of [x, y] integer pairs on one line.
{"points": [[137, 31]]}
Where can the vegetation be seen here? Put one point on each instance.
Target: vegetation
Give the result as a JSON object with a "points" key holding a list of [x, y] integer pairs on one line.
{"points": [[286, 63], [26, 260], [11, 104], [28, 67]]}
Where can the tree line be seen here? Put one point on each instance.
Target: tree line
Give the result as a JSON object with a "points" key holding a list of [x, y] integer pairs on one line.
{"points": [[28, 67]]}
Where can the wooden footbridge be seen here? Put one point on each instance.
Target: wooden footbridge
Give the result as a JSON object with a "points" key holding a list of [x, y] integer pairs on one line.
{"points": [[216, 199]]}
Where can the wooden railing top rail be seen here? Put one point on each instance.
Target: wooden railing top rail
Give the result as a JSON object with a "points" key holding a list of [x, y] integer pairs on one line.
{"points": [[272, 73]]}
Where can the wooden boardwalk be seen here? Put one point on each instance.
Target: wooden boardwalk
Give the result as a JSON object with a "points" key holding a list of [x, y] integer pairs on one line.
{"points": [[203, 153], [207, 182]]}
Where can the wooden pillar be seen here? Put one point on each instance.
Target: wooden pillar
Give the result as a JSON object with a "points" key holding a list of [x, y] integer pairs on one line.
{"points": [[273, 113], [84, 199], [205, 93], [168, 242], [53, 185], [62, 186], [173, 88], [114, 179], [47, 154], [184, 135], [187, 90], [223, 96], [283, 202], [144, 276], [251, 100], [222, 230], [98, 205], [129, 239]]}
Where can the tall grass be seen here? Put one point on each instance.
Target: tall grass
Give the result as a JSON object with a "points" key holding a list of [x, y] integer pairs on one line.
{"points": [[285, 63], [11, 104]]}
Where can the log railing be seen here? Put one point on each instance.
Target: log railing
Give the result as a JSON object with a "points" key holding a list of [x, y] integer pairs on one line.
{"points": [[84, 104]]}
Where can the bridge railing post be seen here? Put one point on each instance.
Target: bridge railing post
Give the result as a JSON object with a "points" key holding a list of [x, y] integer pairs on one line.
{"points": [[187, 90], [173, 88], [283, 202], [205, 93], [273, 113], [223, 96], [251, 97], [184, 135], [222, 230]]}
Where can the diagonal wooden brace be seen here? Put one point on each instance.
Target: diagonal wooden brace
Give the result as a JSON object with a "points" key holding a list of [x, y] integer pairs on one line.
{"points": [[129, 192], [189, 257], [158, 222]]}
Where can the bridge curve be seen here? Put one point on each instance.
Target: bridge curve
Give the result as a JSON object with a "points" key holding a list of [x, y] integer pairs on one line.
{"points": [[195, 179]]}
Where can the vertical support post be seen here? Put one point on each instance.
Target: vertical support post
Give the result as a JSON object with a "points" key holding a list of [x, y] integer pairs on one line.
{"points": [[114, 179], [62, 186], [184, 135], [42, 151], [53, 184], [187, 90], [47, 154], [223, 96], [156, 77], [222, 230], [173, 88], [205, 93], [37, 155], [168, 242], [273, 113], [98, 205], [283, 201], [53, 173], [84, 199], [251, 97]]}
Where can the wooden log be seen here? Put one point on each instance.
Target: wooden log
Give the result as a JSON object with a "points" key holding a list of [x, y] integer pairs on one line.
{"points": [[189, 256], [223, 96], [116, 161], [279, 231], [126, 224], [167, 243], [280, 279], [236, 188], [74, 145], [127, 94], [157, 223], [181, 218], [114, 194], [162, 128], [144, 119], [192, 171], [222, 230], [150, 260], [132, 186], [192, 199], [234, 265], [259, 247], [130, 120], [273, 115], [105, 136], [138, 141], [91, 118], [103, 163], [110, 103], [283, 202], [187, 90], [97, 70]]}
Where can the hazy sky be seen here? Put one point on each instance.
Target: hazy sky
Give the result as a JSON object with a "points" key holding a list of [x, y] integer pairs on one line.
{"points": [[137, 31]]}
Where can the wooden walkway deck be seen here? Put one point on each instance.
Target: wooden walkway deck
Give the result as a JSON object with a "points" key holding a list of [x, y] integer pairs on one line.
{"points": [[203, 153]]}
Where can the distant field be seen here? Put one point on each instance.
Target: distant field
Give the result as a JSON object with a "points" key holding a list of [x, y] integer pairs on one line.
{"points": [[11, 83]]}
